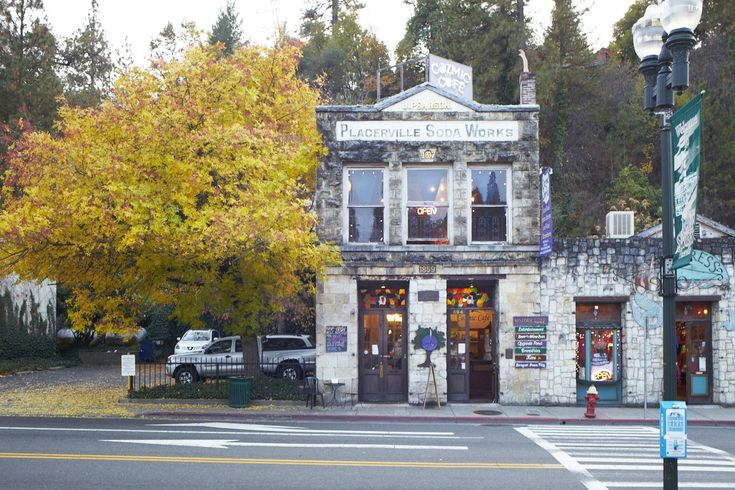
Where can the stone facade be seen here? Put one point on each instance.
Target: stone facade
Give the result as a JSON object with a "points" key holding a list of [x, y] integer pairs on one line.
{"points": [[627, 271], [523, 284], [513, 266]]}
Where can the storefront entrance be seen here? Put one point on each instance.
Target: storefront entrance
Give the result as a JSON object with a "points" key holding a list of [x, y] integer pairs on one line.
{"points": [[471, 357], [694, 353], [383, 370], [599, 352]]}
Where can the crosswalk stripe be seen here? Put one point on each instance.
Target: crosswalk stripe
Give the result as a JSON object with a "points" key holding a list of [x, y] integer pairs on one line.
{"points": [[649, 484], [657, 467], [631, 449], [654, 461]]}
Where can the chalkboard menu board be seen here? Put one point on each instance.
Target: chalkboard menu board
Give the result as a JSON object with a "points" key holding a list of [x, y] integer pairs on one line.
{"points": [[336, 339]]}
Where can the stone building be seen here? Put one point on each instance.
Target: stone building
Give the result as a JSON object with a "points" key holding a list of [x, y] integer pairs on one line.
{"points": [[434, 203], [605, 319], [433, 200]]}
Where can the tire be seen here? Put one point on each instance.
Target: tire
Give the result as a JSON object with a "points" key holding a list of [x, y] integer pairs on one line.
{"points": [[289, 371], [186, 375]]}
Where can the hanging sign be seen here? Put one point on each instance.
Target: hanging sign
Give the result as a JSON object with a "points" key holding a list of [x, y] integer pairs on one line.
{"points": [[686, 140], [546, 224]]}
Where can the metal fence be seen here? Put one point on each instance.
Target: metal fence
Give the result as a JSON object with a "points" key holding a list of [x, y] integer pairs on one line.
{"points": [[167, 373]]}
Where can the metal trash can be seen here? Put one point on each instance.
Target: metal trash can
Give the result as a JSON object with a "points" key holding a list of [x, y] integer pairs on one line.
{"points": [[240, 392]]}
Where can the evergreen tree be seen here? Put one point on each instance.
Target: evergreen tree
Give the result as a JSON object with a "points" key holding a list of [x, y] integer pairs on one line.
{"points": [[485, 35], [227, 29], [342, 60], [28, 82], [86, 63]]}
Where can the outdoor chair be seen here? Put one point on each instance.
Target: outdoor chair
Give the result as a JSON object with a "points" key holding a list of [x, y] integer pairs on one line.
{"points": [[312, 391]]}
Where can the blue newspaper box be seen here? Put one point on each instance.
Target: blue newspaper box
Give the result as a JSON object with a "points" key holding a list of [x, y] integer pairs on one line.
{"points": [[673, 429]]}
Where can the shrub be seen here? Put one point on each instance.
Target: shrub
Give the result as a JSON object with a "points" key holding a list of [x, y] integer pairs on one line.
{"points": [[262, 388], [17, 344]]}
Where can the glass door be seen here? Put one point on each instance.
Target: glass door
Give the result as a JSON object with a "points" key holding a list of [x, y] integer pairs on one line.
{"points": [[699, 361], [471, 369], [457, 363]]}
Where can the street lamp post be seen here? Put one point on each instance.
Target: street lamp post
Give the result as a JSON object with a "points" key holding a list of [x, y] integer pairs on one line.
{"points": [[663, 38]]}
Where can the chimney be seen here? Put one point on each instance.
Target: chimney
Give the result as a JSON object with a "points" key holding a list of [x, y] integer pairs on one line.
{"points": [[528, 88], [528, 82]]}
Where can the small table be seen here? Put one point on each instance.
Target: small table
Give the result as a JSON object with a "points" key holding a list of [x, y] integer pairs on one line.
{"points": [[334, 386]]}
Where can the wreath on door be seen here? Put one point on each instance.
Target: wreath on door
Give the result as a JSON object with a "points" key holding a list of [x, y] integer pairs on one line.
{"points": [[429, 340]]}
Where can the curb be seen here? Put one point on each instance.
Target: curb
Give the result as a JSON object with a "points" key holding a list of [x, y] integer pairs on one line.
{"points": [[422, 419]]}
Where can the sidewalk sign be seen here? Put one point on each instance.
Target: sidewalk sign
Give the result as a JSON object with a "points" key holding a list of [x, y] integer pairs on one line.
{"points": [[673, 429], [127, 365]]}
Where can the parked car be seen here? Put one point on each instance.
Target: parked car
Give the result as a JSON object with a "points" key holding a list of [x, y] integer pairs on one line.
{"points": [[287, 356], [194, 341], [221, 358]]}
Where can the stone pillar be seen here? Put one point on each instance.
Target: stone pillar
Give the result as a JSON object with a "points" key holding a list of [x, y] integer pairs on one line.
{"points": [[528, 88]]}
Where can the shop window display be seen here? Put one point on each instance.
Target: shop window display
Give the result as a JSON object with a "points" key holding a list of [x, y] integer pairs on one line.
{"points": [[599, 343]]}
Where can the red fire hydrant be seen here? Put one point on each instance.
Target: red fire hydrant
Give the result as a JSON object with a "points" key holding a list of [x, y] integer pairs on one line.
{"points": [[591, 398]]}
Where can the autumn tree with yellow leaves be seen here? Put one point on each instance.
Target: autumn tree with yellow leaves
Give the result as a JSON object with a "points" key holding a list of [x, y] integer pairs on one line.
{"points": [[190, 186]]}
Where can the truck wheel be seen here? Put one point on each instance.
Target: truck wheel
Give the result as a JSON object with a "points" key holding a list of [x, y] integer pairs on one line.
{"points": [[186, 375], [289, 371]]}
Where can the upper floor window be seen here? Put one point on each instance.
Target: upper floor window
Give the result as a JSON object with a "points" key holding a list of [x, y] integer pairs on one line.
{"points": [[489, 202], [365, 205], [427, 205]]}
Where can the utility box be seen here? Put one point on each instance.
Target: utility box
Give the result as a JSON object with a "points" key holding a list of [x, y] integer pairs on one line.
{"points": [[673, 427]]}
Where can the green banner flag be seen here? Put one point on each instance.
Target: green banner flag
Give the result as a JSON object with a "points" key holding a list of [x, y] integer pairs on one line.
{"points": [[686, 139]]}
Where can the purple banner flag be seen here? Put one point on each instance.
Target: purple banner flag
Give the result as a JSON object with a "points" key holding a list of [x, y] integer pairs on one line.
{"points": [[546, 225]]}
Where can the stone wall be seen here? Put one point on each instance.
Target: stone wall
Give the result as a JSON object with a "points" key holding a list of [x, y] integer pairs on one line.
{"points": [[629, 268]]}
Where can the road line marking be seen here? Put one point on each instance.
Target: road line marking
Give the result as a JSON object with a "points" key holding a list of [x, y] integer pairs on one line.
{"points": [[585, 477], [233, 433], [292, 462], [220, 444], [648, 484], [291, 430], [657, 467], [648, 460]]}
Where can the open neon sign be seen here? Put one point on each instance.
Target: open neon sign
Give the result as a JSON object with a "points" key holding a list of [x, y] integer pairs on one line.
{"points": [[429, 211]]}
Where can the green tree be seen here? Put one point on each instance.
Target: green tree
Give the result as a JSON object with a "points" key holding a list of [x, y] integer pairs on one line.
{"points": [[712, 68], [227, 29], [621, 46], [483, 34], [86, 63], [28, 81], [341, 59]]}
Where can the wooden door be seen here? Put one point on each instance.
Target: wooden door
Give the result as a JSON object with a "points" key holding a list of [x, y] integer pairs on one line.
{"points": [[383, 356]]}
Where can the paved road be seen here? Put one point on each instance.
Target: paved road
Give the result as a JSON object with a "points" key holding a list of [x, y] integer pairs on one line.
{"points": [[80, 454], [97, 453], [628, 456]]}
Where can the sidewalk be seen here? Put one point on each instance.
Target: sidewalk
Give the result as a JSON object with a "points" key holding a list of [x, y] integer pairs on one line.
{"points": [[485, 413]]}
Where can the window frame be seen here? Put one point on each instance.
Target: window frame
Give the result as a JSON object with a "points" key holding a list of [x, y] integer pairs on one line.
{"points": [[405, 204], [508, 169], [346, 201]]}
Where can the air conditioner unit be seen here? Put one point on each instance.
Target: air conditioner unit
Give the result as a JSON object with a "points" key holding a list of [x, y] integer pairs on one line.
{"points": [[619, 224]]}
